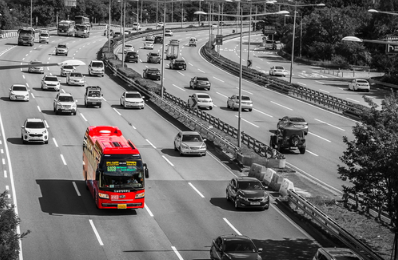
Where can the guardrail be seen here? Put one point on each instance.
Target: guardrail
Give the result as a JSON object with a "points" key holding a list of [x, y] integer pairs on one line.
{"points": [[331, 226]]}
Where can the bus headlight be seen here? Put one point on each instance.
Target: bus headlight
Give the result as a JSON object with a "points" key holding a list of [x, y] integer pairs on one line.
{"points": [[103, 196], [140, 195]]}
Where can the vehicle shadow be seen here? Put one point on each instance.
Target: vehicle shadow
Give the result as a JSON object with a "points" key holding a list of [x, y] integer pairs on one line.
{"points": [[51, 112], [18, 141], [9, 43], [5, 99], [60, 197]]}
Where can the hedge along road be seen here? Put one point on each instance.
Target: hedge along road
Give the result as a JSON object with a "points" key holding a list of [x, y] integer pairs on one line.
{"points": [[185, 195], [324, 141], [305, 75]]}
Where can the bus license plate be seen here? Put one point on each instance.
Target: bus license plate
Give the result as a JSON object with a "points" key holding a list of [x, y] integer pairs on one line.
{"points": [[255, 203], [121, 206]]}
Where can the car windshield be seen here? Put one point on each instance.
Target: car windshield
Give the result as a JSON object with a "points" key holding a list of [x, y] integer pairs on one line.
{"points": [[44, 35], [154, 54], [94, 93], [153, 71], [362, 81], [51, 79], [68, 67], [179, 62], [35, 125], [243, 97], [203, 96], [76, 74], [296, 119], [97, 64], [36, 62], [19, 88], [61, 46], [279, 68], [204, 79], [239, 246], [248, 185], [128, 46], [148, 43], [191, 138], [133, 95], [133, 54], [122, 174], [66, 99]]}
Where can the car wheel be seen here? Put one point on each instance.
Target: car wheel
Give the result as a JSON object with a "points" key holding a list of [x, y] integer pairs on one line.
{"points": [[181, 153], [175, 147], [190, 84], [236, 204], [265, 207], [204, 154], [211, 108], [227, 105], [100, 105], [302, 150], [227, 196], [46, 142], [250, 110]]}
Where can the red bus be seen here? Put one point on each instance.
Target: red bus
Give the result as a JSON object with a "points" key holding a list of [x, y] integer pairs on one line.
{"points": [[113, 169]]}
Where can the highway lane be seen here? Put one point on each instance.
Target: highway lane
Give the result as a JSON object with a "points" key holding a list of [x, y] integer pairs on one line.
{"points": [[324, 141], [305, 75], [53, 197]]}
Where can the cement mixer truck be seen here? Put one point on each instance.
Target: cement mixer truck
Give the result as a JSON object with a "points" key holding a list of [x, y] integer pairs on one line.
{"points": [[172, 49]]}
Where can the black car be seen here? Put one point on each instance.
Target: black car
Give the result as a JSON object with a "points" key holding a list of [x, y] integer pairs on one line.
{"points": [[151, 73], [247, 192], [234, 247], [178, 64], [158, 39], [131, 56]]}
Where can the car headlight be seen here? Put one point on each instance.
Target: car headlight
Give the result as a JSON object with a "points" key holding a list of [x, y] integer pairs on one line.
{"points": [[140, 195], [44, 132], [26, 95], [103, 196], [185, 146], [12, 93], [203, 146]]}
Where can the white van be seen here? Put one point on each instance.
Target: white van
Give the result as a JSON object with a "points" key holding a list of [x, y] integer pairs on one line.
{"points": [[96, 68], [136, 26]]}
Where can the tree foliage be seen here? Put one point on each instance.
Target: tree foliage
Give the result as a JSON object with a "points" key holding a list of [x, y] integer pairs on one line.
{"points": [[9, 238], [371, 158]]}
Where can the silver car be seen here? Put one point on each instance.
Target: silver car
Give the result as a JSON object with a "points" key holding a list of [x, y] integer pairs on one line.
{"points": [[75, 78], [190, 142], [233, 103]]}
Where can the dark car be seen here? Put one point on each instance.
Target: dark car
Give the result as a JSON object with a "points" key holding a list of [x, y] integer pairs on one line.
{"points": [[233, 247], [200, 82], [151, 73], [335, 253], [178, 64], [295, 121], [153, 57], [131, 56], [289, 137], [158, 39], [247, 192]]}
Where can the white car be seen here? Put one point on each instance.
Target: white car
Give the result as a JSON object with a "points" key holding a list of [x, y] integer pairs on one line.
{"points": [[34, 130], [128, 47], [160, 25], [19, 92], [359, 84], [200, 100], [168, 33], [190, 142], [132, 99], [96, 68], [278, 71], [65, 69], [148, 45], [233, 103], [64, 102], [136, 26], [50, 82], [75, 78]]}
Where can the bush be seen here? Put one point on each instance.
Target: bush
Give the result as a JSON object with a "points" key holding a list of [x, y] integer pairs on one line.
{"points": [[129, 73]]}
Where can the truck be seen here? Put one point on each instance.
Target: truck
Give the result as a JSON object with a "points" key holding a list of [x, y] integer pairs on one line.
{"points": [[83, 30], [26, 36], [93, 96], [172, 49]]}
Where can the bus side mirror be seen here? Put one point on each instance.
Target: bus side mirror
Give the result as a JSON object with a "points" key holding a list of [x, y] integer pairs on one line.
{"points": [[146, 171]]}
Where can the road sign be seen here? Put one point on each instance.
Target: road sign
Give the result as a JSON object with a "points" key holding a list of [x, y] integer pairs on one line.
{"points": [[249, 63], [218, 39], [392, 49]]}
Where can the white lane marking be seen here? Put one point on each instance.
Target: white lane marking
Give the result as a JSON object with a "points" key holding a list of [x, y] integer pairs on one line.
{"points": [[1, 151], [5, 174], [233, 228], [311, 153], [23, 76], [63, 159], [167, 160], [353, 100], [193, 187], [319, 137], [45, 122], [83, 117], [262, 112], [14, 193], [96, 232], [219, 79], [55, 142], [319, 82], [178, 87], [330, 124], [221, 94], [150, 143], [33, 96], [3, 161], [22, 59], [148, 210], [38, 108], [248, 121], [117, 111], [247, 91], [26, 55], [28, 86], [77, 191], [63, 90], [341, 88], [281, 105], [180, 73], [201, 70], [177, 253], [103, 99], [190, 64], [324, 90]]}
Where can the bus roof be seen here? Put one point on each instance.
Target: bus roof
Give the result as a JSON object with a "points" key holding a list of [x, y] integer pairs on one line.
{"points": [[109, 140]]}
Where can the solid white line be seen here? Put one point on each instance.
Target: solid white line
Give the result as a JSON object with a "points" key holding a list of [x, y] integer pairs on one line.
{"points": [[247, 121], [150, 143], [96, 232], [311, 153], [178, 87], [221, 94], [281, 105], [233, 228], [177, 253], [14, 193], [319, 82], [262, 112], [55, 142], [38, 108], [180, 73], [149, 211], [77, 191], [193, 187], [83, 117], [319, 137], [218, 79], [63, 159], [330, 125], [117, 111], [5, 174], [247, 91], [167, 160], [201, 70]]}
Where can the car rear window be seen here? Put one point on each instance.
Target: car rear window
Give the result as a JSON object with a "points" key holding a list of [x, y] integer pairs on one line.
{"points": [[153, 70], [239, 246], [279, 68], [243, 97], [94, 93], [204, 79], [19, 88], [362, 81], [154, 54], [203, 96], [35, 125], [297, 119], [180, 61], [44, 34]]}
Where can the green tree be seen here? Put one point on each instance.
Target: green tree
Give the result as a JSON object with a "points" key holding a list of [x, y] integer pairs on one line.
{"points": [[9, 238]]}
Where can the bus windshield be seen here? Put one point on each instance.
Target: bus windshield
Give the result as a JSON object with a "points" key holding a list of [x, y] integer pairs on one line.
{"points": [[122, 174]]}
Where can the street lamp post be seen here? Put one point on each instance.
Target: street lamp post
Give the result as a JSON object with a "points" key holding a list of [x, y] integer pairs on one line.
{"points": [[31, 11], [163, 50]]}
